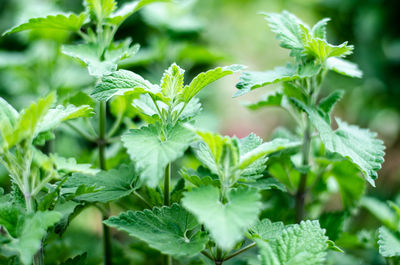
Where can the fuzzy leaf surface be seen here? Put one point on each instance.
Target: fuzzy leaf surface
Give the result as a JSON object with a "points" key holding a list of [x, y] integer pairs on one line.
{"points": [[166, 229], [343, 67], [227, 222]]}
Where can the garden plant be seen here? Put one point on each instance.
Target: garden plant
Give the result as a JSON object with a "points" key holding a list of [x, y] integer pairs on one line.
{"points": [[237, 200]]}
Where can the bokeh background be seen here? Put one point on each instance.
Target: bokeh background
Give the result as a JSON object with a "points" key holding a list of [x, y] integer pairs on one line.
{"points": [[199, 35]]}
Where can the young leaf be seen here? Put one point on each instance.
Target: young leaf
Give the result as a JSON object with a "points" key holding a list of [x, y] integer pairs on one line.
{"points": [[171, 230], [271, 100], [389, 243], [100, 9], [298, 244], [69, 165], [31, 234], [319, 29], [287, 29], [343, 67], [326, 104], [111, 185], [70, 22], [204, 79], [322, 50], [152, 149], [121, 82], [253, 80], [172, 81], [227, 222], [8, 119]]}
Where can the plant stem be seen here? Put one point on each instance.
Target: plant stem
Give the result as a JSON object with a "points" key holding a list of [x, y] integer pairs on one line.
{"points": [[167, 202], [38, 257], [301, 191], [101, 143], [234, 254]]}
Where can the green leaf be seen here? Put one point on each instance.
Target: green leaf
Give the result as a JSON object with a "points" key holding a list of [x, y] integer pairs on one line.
{"points": [[60, 114], [171, 230], [121, 82], [253, 80], [286, 26], [152, 149], [266, 230], [204, 79], [326, 104], [8, 119], [381, 211], [246, 145], [69, 165], [271, 100], [112, 185], [298, 244], [11, 217], [333, 222], [227, 222], [128, 9], [360, 146], [322, 50], [319, 29], [100, 9], [343, 67], [30, 237], [77, 260], [172, 81], [389, 243], [70, 22], [90, 54]]}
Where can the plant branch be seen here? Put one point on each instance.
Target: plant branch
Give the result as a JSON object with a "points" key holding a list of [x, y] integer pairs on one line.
{"points": [[234, 254], [81, 132], [142, 199], [208, 255]]}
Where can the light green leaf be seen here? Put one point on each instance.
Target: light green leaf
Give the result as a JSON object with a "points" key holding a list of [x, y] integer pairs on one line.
{"points": [[343, 67], [246, 145], [69, 165], [253, 80], [389, 243], [319, 29], [8, 119], [287, 29], [100, 9], [360, 146], [298, 244], [381, 211], [204, 79], [111, 185], [226, 222], [266, 230], [270, 100], [30, 237], [322, 50], [171, 230], [71, 22], [326, 104], [121, 82], [151, 149], [128, 9], [172, 81], [60, 114]]}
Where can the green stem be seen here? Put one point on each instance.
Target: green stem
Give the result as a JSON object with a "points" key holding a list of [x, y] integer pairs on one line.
{"points": [[301, 191], [167, 202], [218, 257], [142, 199], [101, 143], [81, 132], [234, 254]]}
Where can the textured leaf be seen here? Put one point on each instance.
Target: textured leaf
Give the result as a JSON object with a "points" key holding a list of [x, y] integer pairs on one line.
{"points": [[121, 82], [360, 146], [151, 149], [246, 145], [326, 104], [111, 185], [319, 29], [322, 50], [100, 9], [34, 229], [11, 217], [271, 100], [298, 244], [389, 243], [343, 67], [287, 29], [266, 230], [172, 81], [253, 80], [204, 79], [171, 230], [69, 165], [71, 22], [227, 222]]}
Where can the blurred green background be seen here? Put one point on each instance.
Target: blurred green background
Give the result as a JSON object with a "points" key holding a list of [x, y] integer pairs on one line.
{"points": [[199, 35]]}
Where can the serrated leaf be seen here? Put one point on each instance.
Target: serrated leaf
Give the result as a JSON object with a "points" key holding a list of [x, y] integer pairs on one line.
{"points": [[343, 67], [171, 230], [266, 230], [322, 50], [100, 9], [246, 145], [319, 29], [326, 104], [12, 217], [298, 244], [111, 185], [227, 222], [287, 29], [253, 80], [121, 82], [360, 146], [152, 149], [69, 165], [271, 100], [71, 22], [206, 78], [172, 81], [30, 237], [389, 243]]}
